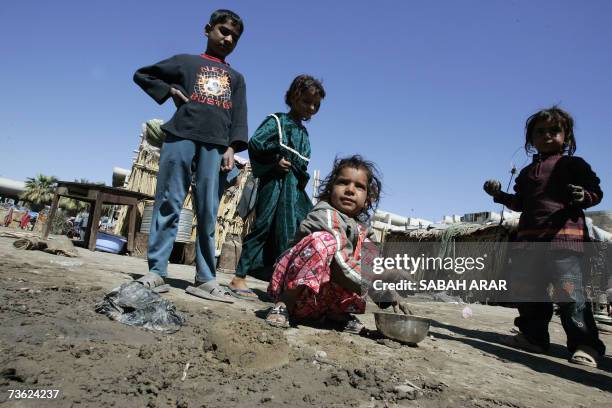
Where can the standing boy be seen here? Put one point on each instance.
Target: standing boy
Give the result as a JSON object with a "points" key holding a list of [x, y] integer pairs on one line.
{"points": [[208, 127]]}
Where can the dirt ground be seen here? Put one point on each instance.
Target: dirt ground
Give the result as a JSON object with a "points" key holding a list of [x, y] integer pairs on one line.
{"points": [[226, 356]]}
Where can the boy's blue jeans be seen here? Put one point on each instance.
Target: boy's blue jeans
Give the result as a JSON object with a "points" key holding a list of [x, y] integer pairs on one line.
{"points": [[564, 270], [180, 160]]}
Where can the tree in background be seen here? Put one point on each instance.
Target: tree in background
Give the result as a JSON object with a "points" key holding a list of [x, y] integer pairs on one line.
{"points": [[71, 205], [39, 191]]}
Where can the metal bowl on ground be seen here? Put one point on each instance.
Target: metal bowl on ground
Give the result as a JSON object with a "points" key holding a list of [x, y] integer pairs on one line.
{"points": [[403, 328]]}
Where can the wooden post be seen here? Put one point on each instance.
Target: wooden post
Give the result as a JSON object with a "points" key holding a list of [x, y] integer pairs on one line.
{"points": [[52, 212], [94, 220], [133, 207]]}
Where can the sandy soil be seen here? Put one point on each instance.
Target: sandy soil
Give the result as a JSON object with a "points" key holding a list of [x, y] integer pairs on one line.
{"points": [[226, 356]]}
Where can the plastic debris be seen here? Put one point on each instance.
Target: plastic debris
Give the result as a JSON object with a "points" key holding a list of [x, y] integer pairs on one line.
{"points": [[135, 305], [467, 312], [67, 264]]}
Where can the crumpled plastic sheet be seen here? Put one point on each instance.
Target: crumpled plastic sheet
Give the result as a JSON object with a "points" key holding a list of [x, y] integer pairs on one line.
{"points": [[134, 305]]}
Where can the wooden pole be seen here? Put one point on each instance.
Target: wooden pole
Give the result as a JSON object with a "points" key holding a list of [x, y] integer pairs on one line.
{"points": [[51, 216]]}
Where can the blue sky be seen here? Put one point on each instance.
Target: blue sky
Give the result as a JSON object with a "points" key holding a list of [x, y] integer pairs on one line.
{"points": [[435, 92]]}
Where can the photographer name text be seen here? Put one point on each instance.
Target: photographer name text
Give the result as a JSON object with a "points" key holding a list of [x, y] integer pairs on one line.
{"points": [[441, 285]]}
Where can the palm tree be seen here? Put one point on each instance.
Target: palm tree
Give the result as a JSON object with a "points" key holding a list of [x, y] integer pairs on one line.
{"points": [[39, 190]]}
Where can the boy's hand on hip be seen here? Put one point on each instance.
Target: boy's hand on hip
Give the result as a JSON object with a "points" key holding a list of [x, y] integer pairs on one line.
{"points": [[178, 97], [284, 165], [492, 187], [227, 162], [576, 194]]}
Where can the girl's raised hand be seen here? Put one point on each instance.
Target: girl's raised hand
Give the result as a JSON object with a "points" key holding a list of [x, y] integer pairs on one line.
{"points": [[492, 187], [576, 194]]}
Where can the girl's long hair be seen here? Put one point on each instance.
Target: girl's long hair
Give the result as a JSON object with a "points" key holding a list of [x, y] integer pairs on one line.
{"points": [[374, 182]]}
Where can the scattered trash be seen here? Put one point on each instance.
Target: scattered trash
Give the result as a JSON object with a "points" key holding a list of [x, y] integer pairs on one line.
{"points": [[185, 372], [134, 305], [60, 246], [67, 264], [467, 312], [413, 385], [446, 298]]}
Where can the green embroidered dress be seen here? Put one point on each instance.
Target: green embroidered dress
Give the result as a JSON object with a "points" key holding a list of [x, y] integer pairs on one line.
{"points": [[282, 202]]}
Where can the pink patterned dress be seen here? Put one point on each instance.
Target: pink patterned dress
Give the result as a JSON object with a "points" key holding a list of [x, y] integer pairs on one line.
{"points": [[307, 264]]}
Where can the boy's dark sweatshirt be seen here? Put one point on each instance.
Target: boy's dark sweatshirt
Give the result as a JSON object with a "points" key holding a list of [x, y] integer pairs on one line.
{"points": [[216, 112], [543, 197]]}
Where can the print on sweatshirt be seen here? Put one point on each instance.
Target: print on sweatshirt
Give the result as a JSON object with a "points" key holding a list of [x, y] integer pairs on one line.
{"points": [[213, 87]]}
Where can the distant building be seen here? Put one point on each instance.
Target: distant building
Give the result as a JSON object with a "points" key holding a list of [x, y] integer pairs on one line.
{"points": [[482, 217], [385, 221], [10, 189]]}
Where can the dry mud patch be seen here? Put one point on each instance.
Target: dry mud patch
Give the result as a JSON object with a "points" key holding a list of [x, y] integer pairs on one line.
{"points": [[225, 356], [52, 339]]}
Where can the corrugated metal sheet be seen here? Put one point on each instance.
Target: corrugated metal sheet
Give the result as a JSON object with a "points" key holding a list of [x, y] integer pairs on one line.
{"points": [[184, 226]]}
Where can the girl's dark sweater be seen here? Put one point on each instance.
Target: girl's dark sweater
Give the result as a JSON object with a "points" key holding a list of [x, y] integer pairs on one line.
{"points": [[542, 195]]}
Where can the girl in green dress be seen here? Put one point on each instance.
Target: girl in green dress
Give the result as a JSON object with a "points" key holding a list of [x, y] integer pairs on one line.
{"points": [[279, 152]]}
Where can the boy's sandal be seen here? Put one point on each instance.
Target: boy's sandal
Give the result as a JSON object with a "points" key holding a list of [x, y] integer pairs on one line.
{"points": [[244, 294], [585, 356], [353, 326], [278, 316], [154, 282], [519, 341], [210, 290]]}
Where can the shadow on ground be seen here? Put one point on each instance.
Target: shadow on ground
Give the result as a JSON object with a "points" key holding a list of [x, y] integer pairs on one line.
{"points": [[489, 342]]}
